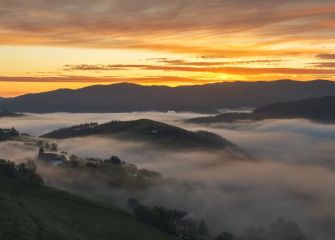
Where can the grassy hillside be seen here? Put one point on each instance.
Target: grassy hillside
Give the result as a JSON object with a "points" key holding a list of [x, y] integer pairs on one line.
{"points": [[158, 133], [31, 211]]}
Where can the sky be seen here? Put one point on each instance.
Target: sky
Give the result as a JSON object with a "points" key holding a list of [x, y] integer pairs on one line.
{"points": [[46, 45]]}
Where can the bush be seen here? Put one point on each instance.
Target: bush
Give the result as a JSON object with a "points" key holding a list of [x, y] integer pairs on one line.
{"points": [[25, 171], [225, 236], [173, 222]]}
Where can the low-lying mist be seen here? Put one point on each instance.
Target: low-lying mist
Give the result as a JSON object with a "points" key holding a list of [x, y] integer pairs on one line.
{"points": [[38, 124], [291, 173]]}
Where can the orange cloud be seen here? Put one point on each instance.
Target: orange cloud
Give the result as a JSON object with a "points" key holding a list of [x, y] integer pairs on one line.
{"points": [[172, 80], [326, 56], [227, 70], [182, 26], [267, 38]]}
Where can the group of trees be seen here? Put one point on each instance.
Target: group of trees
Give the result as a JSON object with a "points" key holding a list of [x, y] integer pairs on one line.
{"points": [[48, 146], [25, 171], [277, 230], [173, 222], [115, 172], [177, 223], [76, 161], [211, 138], [75, 131], [6, 134]]}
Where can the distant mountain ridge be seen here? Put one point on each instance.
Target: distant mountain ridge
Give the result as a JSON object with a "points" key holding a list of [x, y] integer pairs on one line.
{"points": [[317, 109], [126, 97]]}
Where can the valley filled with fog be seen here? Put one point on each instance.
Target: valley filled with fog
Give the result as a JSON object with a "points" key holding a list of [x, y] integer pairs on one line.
{"points": [[289, 170]]}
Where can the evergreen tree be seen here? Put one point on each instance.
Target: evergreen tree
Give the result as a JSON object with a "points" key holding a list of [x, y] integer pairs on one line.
{"points": [[202, 228]]}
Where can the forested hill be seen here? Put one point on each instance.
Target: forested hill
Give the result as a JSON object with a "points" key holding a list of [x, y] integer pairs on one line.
{"points": [[32, 211], [316, 109], [158, 133], [5, 113], [126, 97], [322, 109]]}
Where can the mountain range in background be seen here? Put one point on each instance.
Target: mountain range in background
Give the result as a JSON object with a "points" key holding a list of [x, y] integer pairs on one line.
{"points": [[316, 109], [126, 97]]}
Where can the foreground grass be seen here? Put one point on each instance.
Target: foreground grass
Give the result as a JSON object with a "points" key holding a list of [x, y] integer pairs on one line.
{"points": [[29, 211]]}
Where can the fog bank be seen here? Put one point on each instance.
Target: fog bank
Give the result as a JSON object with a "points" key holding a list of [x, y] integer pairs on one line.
{"points": [[291, 174]]}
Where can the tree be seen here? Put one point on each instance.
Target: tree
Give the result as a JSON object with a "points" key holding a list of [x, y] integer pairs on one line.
{"points": [[10, 169], [115, 160], [74, 161], [131, 168], [160, 217], [14, 132], [31, 165], [225, 236], [202, 228], [278, 230], [133, 203], [2, 135], [39, 143], [90, 165], [7, 168], [47, 146], [54, 147]]}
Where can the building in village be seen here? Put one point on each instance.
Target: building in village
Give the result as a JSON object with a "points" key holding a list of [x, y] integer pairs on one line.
{"points": [[52, 158]]}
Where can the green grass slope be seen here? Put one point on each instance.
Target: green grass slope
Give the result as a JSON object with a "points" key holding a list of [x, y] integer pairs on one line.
{"points": [[30, 211]]}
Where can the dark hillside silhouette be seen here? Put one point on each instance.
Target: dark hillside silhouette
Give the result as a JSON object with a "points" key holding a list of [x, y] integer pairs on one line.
{"points": [[126, 97], [317, 109], [158, 133]]}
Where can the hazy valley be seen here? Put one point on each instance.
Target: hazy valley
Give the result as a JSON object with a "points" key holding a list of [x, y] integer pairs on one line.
{"points": [[230, 192]]}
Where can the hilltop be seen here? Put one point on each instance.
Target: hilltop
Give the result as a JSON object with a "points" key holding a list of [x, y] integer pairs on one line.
{"points": [[146, 130], [126, 97]]}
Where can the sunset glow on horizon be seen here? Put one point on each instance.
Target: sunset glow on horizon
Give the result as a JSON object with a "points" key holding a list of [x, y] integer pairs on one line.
{"points": [[47, 45]]}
